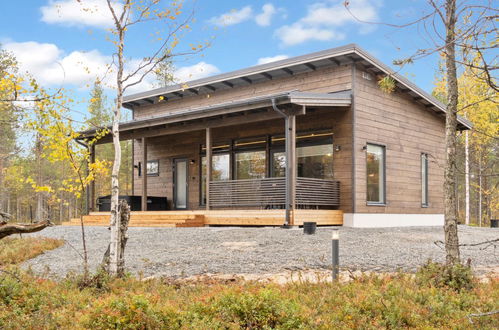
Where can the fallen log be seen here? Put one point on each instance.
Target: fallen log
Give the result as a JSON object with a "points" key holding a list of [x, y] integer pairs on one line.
{"points": [[7, 229]]}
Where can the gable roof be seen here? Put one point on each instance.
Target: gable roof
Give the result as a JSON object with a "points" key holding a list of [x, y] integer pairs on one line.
{"points": [[295, 65]]}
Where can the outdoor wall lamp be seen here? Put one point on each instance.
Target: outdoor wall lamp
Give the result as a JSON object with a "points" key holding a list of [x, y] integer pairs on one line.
{"points": [[337, 148], [364, 148], [192, 162]]}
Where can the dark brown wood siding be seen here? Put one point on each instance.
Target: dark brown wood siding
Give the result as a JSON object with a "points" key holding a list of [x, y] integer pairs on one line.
{"points": [[187, 145], [407, 129]]}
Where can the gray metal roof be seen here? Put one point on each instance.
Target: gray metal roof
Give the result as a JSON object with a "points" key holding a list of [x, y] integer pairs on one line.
{"points": [[338, 99], [295, 65]]}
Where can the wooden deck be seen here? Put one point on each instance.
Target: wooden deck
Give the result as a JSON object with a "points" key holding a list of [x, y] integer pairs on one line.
{"points": [[201, 218]]}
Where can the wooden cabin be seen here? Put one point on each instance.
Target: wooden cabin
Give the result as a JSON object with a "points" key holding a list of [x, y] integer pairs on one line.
{"points": [[217, 148]]}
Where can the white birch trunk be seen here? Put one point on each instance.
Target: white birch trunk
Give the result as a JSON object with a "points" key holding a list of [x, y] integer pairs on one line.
{"points": [[450, 224], [114, 245], [467, 178], [480, 191]]}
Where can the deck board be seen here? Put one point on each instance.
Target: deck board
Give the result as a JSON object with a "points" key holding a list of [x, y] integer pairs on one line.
{"points": [[200, 218]]}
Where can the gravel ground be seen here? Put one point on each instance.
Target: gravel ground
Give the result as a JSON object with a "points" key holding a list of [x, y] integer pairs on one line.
{"points": [[183, 252]]}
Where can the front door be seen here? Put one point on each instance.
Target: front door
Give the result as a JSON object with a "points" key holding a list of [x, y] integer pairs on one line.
{"points": [[180, 183]]}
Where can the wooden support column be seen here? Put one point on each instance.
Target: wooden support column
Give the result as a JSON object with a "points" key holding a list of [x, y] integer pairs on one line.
{"points": [[144, 174], [290, 168], [209, 157], [91, 187], [268, 157]]}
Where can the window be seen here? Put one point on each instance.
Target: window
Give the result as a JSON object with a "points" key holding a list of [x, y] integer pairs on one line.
{"points": [[250, 165], [312, 161], [375, 174], [315, 161], [314, 154], [220, 170], [424, 180], [152, 168]]}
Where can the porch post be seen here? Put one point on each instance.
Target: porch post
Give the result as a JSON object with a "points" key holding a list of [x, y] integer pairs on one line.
{"points": [[290, 168], [208, 173], [144, 174], [91, 188]]}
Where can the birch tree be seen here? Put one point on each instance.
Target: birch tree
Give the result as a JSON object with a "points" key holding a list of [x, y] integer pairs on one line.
{"points": [[454, 29], [128, 15]]}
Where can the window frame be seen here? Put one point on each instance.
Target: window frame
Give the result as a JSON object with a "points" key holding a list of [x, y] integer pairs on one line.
{"points": [[140, 168], [425, 194], [383, 183]]}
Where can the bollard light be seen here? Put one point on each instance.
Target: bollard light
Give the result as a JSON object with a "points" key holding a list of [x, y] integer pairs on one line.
{"points": [[335, 239]]}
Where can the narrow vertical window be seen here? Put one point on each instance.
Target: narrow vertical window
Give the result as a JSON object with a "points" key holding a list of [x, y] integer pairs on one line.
{"points": [[424, 180], [375, 174]]}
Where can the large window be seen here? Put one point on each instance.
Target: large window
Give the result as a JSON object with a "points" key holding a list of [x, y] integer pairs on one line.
{"points": [[246, 158], [375, 174], [314, 155], [424, 180], [250, 165], [313, 162], [220, 170]]}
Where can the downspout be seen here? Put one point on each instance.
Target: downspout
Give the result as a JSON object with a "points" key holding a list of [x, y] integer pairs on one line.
{"points": [[289, 168]]}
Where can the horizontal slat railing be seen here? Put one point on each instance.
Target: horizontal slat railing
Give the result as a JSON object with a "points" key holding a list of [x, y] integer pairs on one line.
{"points": [[317, 192], [271, 193]]}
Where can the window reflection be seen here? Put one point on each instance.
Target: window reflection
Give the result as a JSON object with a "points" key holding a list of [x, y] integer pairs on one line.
{"points": [[312, 161], [220, 170], [375, 173], [250, 165]]}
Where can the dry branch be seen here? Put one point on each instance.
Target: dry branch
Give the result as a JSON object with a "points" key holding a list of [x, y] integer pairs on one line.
{"points": [[7, 229]]}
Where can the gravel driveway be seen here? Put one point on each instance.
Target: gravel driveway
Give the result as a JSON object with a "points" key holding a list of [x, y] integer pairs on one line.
{"points": [[192, 251]]}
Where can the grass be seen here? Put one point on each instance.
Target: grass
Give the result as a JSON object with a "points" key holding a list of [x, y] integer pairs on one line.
{"points": [[14, 251]]}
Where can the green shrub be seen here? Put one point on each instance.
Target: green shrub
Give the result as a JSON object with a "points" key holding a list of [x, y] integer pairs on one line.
{"points": [[265, 309], [99, 281], [455, 276], [129, 312]]}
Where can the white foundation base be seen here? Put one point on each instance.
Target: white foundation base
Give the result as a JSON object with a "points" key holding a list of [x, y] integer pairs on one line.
{"points": [[377, 220]]}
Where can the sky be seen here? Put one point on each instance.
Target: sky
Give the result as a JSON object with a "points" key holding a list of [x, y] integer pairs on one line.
{"points": [[64, 43]]}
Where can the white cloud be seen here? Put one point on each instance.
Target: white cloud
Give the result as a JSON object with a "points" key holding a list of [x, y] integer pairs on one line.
{"points": [[196, 71], [233, 17], [327, 20], [93, 13], [265, 60], [337, 15], [298, 33], [52, 67], [264, 19], [48, 64]]}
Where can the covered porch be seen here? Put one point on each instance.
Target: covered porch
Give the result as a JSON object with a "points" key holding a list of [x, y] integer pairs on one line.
{"points": [[233, 179]]}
